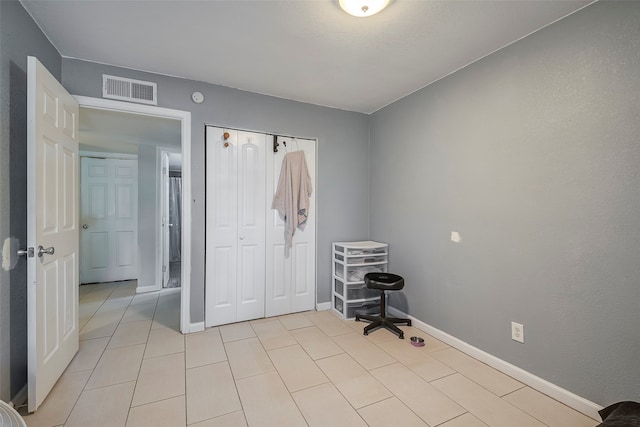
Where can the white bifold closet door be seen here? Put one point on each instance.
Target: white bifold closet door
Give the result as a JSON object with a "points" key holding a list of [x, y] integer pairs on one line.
{"points": [[247, 273], [291, 282], [235, 226]]}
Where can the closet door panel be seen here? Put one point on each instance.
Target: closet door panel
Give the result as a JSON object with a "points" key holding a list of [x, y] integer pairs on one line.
{"points": [[251, 226], [291, 281], [221, 227], [304, 277]]}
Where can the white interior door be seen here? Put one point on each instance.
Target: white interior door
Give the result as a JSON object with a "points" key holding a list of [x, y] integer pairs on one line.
{"points": [[109, 195], [235, 231], [290, 281], [52, 230], [165, 223]]}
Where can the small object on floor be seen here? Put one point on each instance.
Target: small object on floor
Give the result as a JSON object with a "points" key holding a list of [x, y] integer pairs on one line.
{"points": [[417, 342]]}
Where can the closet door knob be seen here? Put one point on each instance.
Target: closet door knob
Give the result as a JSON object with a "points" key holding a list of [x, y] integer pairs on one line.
{"points": [[241, 237]]}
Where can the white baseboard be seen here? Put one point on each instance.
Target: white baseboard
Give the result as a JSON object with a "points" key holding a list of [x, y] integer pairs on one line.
{"points": [[570, 399], [196, 327], [323, 306], [148, 288]]}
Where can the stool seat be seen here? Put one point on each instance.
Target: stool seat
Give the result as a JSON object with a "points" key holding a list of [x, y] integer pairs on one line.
{"points": [[383, 282]]}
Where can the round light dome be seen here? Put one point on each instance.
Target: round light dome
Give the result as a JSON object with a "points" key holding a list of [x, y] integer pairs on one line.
{"points": [[363, 8]]}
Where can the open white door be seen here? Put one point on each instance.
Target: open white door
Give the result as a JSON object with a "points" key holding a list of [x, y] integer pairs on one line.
{"points": [[52, 230], [165, 223]]}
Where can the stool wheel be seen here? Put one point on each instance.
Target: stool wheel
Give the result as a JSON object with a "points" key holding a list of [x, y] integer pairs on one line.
{"points": [[366, 332], [401, 335]]}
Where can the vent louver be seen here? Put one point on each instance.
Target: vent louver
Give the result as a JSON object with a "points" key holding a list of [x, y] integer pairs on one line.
{"points": [[129, 89]]}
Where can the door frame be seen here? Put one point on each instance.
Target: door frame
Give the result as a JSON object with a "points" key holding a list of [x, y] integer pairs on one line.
{"points": [[185, 123]]}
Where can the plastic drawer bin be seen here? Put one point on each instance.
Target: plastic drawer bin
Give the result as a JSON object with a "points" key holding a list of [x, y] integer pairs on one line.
{"points": [[360, 292], [367, 307]]}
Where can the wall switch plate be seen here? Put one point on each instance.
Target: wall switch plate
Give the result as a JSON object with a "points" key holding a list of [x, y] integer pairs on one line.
{"points": [[455, 237], [517, 332]]}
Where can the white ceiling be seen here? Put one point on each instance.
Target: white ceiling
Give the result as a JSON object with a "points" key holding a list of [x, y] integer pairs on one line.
{"points": [[305, 50]]}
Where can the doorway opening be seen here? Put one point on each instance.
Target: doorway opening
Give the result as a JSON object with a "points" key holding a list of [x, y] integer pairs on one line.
{"points": [[153, 118]]}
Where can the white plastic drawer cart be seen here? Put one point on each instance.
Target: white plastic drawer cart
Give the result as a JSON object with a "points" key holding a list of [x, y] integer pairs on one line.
{"points": [[351, 261]]}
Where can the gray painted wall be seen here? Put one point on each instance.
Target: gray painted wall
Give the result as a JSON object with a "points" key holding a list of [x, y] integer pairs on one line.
{"points": [[532, 154], [147, 207], [343, 140], [19, 37]]}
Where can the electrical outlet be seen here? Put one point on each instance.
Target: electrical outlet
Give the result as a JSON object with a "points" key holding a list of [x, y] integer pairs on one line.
{"points": [[517, 332]]}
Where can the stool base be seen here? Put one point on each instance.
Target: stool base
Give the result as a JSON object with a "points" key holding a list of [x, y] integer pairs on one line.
{"points": [[384, 322]]}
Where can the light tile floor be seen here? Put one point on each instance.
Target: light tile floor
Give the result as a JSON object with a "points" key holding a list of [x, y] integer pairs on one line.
{"points": [[310, 369]]}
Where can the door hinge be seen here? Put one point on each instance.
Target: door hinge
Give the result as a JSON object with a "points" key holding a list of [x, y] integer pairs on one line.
{"points": [[164, 268]]}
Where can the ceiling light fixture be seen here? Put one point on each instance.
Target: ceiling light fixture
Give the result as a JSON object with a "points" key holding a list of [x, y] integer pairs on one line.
{"points": [[363, 8]]}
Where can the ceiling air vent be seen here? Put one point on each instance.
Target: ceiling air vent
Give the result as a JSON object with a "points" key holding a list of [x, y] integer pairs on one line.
{"points": [[129, 90]]}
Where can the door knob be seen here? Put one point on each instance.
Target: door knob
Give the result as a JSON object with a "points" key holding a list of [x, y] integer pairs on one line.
{"points": [[26, 252], [85, 226], [241, 237], [48, 251]]}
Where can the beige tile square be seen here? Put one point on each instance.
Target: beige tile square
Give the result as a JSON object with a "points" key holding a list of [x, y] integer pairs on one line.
{"points": [[86, 310], [165, 413], [353, 381], [163, 342], [323, 405], [485, 405], [234, 419], [236, 331], [160, 378], [204, 348], [272, 334], [295, 321], [465, 420], [104, 322], [61, 400], [102, 407], [549, 411], [488, 377], [247, 358], [416, 359], [88, 355], [211, 392], [123, 292], [329, 322], [296, 368], [379, 335], [141, 311], [145, 298], [390, 412], [117, 365], [130, 334], [316, 343], [166, 317], [421, 397], [278, 410], [367, 354]]}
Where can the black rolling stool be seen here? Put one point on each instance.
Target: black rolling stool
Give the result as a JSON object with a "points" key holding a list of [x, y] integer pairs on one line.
{"points": [[383, 282]]}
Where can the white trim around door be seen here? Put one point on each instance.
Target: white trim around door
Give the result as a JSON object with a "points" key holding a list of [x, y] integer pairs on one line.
{"points": [[185, 119]]}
